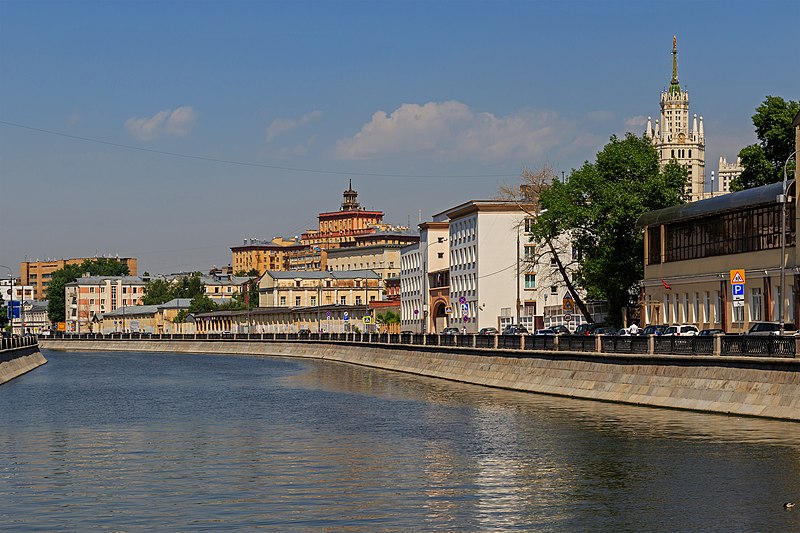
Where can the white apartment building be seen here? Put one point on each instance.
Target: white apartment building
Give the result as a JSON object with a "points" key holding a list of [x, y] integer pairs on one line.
{"points": [[21, 293], [93, 295], [430, 255]]}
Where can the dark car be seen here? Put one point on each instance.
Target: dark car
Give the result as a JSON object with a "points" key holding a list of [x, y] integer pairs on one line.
{"points": [[588, 329], [488, 331], [450, 331], [710, 332], [654, 330], [560, 329], [605, 330], [546, 331], [770, 328], [304, 331], [515, 329]]}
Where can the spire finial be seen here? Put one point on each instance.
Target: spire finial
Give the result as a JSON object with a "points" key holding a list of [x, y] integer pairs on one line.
{"points": [[674, 85]]}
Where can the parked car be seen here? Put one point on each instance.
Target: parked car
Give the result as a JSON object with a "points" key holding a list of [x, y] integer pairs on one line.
{"points": [[588, 329], [304, 331], [770, 328], [605, 330], [450, 331], [682, 330], [488, 331], [710, 332], [515, 329], [561, 329], [546, 331], [656, 329], [406, 332]]}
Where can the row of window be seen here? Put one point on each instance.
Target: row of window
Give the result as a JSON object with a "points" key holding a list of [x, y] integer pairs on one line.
{"points": [[747, 230], [706, 308]]}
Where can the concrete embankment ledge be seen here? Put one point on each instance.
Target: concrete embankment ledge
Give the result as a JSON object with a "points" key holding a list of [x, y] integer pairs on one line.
{"points": [[750, 386], [19, 360]]}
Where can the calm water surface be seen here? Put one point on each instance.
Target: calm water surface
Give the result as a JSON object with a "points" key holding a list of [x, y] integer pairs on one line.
{"points": [[130, 441]]}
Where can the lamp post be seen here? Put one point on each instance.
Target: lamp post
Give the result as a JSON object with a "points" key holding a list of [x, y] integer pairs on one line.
{"points": [[783, 244], [10, 304], [424, 259]]}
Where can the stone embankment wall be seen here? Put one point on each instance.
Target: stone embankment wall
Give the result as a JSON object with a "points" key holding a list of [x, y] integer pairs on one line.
{"points": [[764, 387], [17, 360]]}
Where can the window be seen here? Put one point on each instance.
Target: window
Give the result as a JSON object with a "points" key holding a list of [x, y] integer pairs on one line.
{"points": [[718, 307], [530, 281], [297, 301], [313, 300], [553, 290], [755, 304], [529, 222], [358, 300], [653, 245], [372, 298], [441, 255], [283, 301], [553, 261], [707, 307], [343, 300]]}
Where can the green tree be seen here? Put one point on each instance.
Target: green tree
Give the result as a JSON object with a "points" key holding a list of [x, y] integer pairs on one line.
{"points": [[598, 207], [763, 162], [101, 266], [199, 304], [388, 318], [157, 291]]}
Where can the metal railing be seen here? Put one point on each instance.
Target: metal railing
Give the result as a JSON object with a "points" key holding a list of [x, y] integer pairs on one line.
{"points": [[726, 345], [16, 342]]}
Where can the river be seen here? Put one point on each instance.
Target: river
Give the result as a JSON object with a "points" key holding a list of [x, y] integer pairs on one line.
{"points": [[131, 441]]}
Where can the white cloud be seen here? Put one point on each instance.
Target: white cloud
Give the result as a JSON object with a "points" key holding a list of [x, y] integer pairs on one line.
{"points": [[638, 121], [280, 126], [451, 130], [177, 122]]}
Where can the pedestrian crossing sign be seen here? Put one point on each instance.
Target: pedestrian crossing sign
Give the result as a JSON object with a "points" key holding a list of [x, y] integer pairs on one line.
{"points": [[737, 276]]}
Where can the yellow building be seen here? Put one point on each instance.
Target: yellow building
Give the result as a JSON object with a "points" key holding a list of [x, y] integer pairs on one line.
{"points": [[261, 256], [144, 319], [312, 289]]}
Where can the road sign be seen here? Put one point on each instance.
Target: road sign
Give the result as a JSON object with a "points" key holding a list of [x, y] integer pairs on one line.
{"points": [[465, 307], [738, 290], [466, 318], [738, 303], [367, 320], [462, 299], [416, 311], [328, 314], [737, 276], [568, 317], [13, 310], [346, 316], [448, 310]]}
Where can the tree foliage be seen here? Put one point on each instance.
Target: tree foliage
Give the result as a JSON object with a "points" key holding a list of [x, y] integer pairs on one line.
{"points": [[388, 318], [598, 206], [763, 162], [159, 291], [101, 266]]}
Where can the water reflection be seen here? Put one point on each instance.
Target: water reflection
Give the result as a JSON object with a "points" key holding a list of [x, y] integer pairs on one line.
{"points": [[132, 441]]}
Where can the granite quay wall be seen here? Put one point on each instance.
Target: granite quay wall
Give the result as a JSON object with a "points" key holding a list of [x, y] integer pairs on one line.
{"points": [[762, 386], [18, 356]]}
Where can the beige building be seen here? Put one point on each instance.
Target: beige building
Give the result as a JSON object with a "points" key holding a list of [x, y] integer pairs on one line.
{"points": [[323, 319], [312, 289], [691, 251], [725, 174], [224, 287], [144, 319], [675, 139], [89, 296], [39, 273], [378, 251]]}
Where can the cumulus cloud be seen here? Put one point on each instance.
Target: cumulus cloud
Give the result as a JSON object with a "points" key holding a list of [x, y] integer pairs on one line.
{"points": [[451, 130], [638, 121], [177, 122], [280, 126]]}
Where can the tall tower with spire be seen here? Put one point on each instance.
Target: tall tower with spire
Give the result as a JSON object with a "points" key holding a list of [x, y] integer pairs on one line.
{"points": [[673, 137]]}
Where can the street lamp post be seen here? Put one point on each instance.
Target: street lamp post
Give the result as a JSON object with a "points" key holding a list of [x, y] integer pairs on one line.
{"points": [[783, 244]]}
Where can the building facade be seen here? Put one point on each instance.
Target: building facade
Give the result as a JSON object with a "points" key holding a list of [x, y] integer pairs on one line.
{"points": [[338, 227], [89, 296], [39, 273], [143, 319], [260, 256], [430, 254], [379, 251], [676, 138], [314, 289], [726, 172]]}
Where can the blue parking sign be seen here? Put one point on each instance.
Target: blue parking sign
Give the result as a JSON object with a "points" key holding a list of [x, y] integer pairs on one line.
{"points": [[738, 289]]}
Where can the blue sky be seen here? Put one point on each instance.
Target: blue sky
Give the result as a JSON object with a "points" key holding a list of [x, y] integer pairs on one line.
{"points": [[424, 105]]}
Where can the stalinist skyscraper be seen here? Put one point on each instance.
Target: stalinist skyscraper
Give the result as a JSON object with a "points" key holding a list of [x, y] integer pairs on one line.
{"points": [[672, 137]]}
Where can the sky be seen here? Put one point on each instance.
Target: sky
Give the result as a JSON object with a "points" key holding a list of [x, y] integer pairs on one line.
{"points": [[170, 131]]}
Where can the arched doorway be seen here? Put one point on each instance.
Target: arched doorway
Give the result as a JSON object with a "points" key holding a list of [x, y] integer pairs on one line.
{"points": [[439, 316]]}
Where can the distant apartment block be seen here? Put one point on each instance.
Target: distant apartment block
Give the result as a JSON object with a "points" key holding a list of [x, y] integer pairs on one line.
{"points": [[259, 255], [313, 289], [378, 251], [38, 273], [89, 296]]}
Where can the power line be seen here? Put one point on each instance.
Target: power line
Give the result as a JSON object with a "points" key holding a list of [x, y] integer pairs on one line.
{"points": [[245, 163]]}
